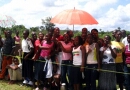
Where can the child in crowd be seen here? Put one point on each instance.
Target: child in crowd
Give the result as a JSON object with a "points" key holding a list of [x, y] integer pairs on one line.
{"points": [[15, 71]]}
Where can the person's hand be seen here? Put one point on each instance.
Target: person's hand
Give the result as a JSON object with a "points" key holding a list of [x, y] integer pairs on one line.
{"points": [[26, 57], [34, 58], [104, 49], [20, 50], [89, 50], [16, 67], [98, 69], [82, 69], [48, 57]]}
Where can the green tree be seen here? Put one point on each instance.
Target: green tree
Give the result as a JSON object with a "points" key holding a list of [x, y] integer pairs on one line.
{"points": [[35, 29], [47, 23], [20, 28]]}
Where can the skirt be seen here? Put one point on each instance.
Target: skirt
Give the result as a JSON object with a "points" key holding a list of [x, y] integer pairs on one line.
{"points": [[107, 80], [76, 75], [27, 67]]}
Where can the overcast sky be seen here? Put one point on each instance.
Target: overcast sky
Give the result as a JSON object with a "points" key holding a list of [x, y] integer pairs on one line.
{"points": [[110, 14]]}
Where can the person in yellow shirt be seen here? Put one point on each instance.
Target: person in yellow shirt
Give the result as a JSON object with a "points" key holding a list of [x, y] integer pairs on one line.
{"points": [[119, 59]]}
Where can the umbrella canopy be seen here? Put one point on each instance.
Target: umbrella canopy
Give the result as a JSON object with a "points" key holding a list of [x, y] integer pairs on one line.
{"points": [[6, 21], [74, 17]]}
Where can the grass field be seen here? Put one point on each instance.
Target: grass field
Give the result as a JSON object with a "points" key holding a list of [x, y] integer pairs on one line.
{"points": [[5, 86]]}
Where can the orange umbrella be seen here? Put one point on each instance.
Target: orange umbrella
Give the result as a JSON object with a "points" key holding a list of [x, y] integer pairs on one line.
{"points": [[74, 16]]}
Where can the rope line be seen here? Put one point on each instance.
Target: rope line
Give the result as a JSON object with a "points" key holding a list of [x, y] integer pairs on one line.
{"points": [[103, 70]]}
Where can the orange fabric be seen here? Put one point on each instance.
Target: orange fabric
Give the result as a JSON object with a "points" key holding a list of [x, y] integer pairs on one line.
{"points": [[5, 62], [74, 16]]}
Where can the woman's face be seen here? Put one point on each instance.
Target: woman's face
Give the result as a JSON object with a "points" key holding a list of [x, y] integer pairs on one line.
{"points": [[41, 36], [83, 36], [95, 34], [113, 33], [48, 37], [128, 38], [16, 62], [25, 34], [106, 40], [76, 41], [71, 34], [89, 39], [84, 30], [66, 38], [8, 34], [34, 36], [56, 31], [118, 36]]}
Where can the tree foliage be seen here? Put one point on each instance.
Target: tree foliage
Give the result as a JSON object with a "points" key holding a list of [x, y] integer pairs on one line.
{"points": [[48, 25]]}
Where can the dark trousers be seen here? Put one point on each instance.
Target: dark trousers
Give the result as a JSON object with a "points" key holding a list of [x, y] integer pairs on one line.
{"points": [[91, 76], [65, 70]]}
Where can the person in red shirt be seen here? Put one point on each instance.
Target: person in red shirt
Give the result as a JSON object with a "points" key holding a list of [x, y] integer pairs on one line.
{"points": [[36, 56], [57, 34]]}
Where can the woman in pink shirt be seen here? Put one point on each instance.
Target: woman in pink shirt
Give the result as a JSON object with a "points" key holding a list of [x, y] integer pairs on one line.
{"points": [[17, 44], [66, 47], [45, 54]]}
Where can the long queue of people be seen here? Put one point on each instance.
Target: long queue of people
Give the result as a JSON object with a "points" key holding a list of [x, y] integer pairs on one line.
{"points": [[52, 61]]}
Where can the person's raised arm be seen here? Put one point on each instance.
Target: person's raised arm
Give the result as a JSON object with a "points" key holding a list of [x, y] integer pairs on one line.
{"points": [[113, 51], [68, 50], [83, 57], [97, 54]]}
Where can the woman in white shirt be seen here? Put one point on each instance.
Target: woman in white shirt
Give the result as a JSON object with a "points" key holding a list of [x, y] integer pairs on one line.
{"points": [[107, 80], [27, 48], [78, 62], [92, 63]]}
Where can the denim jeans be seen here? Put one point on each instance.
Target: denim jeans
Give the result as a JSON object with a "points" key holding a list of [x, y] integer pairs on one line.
{"points": [[65, 70], [91, 76], [127, 77]]}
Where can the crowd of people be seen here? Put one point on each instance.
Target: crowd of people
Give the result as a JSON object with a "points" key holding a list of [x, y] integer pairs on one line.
{"points": [[52, 61]]}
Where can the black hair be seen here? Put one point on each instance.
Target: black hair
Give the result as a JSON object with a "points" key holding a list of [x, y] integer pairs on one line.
{"points": [[68, 32], [118, 31], [94, 30], [123, 31], [108, 36], [80, 40], [16, 59], [65, 34], [27, 31], [51, 30]]}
